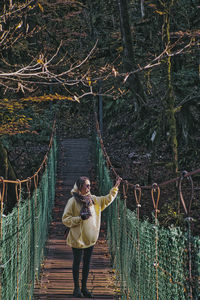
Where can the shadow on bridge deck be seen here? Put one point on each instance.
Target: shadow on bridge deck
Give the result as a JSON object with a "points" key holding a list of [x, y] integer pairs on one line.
{"points": [[56, 281]]}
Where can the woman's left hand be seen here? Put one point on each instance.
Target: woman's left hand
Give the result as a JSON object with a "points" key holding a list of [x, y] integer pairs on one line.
{"points": [[118, 181]]}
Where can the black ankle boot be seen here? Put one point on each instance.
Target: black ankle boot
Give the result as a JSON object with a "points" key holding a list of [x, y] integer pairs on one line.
{"points": [[86, 293], [77, 292]]}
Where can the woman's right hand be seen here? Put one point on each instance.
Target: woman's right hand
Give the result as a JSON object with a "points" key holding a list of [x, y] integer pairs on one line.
{"points": [[118, 181]]}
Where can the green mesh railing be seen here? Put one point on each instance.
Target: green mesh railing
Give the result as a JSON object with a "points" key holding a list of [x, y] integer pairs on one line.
{"points": [[24, 233], [151, 262]]}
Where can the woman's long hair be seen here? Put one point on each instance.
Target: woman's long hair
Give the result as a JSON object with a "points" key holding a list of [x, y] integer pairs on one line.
{"points": [[80, 182]]}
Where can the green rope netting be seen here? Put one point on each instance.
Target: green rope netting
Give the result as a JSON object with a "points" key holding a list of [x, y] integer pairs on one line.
{"points": [[24, 233], [151, 262]]}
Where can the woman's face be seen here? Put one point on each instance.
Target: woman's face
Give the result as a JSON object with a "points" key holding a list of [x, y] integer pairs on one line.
{"points": [[86, 187]]}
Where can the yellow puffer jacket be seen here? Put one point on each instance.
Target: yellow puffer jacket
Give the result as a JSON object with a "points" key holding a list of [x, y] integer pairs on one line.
{"points": [[83, 234]]}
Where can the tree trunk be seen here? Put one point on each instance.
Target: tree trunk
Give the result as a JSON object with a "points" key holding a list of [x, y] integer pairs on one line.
{"points": [[170, 108], [128, 54]]}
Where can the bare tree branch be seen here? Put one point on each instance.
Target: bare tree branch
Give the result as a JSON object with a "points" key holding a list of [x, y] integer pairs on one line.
{"points": [[16, 11]]}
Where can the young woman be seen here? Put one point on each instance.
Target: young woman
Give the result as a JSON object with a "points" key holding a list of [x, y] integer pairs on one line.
{"points": [[82, 215]]}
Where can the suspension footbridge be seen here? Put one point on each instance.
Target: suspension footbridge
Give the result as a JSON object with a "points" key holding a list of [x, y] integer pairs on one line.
{"points": [[148, 261], [56, 280]]}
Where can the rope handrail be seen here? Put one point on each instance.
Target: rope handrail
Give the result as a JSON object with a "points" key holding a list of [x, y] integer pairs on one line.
{"points": [[28, 179], [185, 173]]}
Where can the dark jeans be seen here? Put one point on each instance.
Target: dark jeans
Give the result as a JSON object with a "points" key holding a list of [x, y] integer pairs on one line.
{"points": [[77, 253]]}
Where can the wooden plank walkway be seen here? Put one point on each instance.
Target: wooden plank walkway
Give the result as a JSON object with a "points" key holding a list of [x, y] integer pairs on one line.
{"points": [[56, 281]]}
